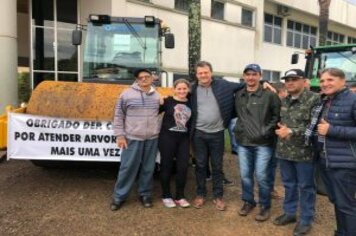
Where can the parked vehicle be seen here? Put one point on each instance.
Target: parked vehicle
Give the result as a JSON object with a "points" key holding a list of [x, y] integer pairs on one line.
{"points": [[69, 121], [342, 56]]}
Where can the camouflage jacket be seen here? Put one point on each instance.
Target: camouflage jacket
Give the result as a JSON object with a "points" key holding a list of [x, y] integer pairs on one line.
{"points": [[296, 114]]}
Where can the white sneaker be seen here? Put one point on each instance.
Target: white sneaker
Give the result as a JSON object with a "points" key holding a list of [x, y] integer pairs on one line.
{"points": [[168, 202], [182, 203]]}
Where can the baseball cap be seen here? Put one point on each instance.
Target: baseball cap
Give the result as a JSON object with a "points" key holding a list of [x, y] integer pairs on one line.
{"points": [[294, 73], [138, 71], [253, 67]]}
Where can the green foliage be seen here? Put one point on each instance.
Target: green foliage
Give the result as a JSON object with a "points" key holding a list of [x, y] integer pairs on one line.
{"points": [[24, 87]]}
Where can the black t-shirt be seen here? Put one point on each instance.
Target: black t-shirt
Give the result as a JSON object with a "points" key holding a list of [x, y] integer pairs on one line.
{"points": [[176, 115]]}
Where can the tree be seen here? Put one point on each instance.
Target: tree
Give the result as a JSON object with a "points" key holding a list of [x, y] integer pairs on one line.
{"points": [[194, 34], [323, 20]]}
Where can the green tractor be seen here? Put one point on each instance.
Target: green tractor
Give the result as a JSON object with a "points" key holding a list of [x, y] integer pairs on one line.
{"points": [[342, 56]]}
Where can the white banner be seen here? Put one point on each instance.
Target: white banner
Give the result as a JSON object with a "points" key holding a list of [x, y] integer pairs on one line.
{"points": [[47, 138]]}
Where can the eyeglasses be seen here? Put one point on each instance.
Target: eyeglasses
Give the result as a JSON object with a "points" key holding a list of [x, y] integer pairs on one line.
{"points": [[144, 77]]}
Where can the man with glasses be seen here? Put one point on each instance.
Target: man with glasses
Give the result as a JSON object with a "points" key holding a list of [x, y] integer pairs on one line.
{"points": [[296, 160], [136, 127]]}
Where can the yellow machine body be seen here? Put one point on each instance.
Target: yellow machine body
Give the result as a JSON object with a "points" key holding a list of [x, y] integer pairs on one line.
{"points": [[83, 101], [88, 101]]}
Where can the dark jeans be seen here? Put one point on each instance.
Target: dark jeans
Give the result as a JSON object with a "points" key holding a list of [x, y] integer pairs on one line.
{"points": [[272, 168], [298, 180], [173, 145], [340, 186], [209, 145]]}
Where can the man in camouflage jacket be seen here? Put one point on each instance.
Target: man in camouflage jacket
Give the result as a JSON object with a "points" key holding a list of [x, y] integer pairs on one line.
{"points": [[296, 159]]}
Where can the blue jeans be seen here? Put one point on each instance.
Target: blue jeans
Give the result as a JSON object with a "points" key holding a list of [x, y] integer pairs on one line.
{"points": [[231, 129], [340, 185], [139, 155], [299, 184], [209, 145], [255, 160]]}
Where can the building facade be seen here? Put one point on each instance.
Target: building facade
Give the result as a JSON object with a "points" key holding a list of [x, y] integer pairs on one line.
{"points": [[36, 34]]}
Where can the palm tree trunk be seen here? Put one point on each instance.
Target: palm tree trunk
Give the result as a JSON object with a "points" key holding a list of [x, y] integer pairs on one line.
{"points": [[323, 20], [194, 34]]}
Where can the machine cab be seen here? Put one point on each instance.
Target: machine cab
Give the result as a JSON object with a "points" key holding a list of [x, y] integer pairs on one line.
{"points": [[116, 46]]}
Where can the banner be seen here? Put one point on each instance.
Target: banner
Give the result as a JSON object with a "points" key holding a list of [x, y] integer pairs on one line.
{"points": [[47, 138]]}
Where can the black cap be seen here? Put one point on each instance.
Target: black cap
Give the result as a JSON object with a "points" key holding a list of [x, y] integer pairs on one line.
{"points": [[253, 67], [294, 73], [138, 71]]}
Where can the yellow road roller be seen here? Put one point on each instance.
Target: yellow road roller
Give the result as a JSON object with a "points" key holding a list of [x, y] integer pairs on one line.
{"points": [[67, 121], [72, 121]]}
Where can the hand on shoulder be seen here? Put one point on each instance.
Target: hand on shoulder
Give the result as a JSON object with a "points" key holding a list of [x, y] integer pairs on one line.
{"points": [[266, 85]]}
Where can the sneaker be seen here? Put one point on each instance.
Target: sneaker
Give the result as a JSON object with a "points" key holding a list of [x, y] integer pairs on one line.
{"points": [[285, 219], [168, 202], [246, 209], [182, 203], [219, 204], [227, 182], [198, 202], [263, 215]]}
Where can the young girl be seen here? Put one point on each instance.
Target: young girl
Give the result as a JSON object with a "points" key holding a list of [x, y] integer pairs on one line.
{"points": [[173, 143]]}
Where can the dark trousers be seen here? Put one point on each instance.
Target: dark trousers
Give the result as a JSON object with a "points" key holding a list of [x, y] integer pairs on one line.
{"points": [[173, 145], [340, 186], [272, 168], [209, 145], [299, 184]]}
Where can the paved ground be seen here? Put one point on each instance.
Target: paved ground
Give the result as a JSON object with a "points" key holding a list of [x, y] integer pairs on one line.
{"points": [[37, 201]]}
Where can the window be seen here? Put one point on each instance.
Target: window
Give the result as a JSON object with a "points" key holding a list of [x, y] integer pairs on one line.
{"points": [[351, 40], [300, 35], [271, 75], [334, 38], [217, 10], [273, 29], [247, 17], [52, 24], [181, 5]]}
